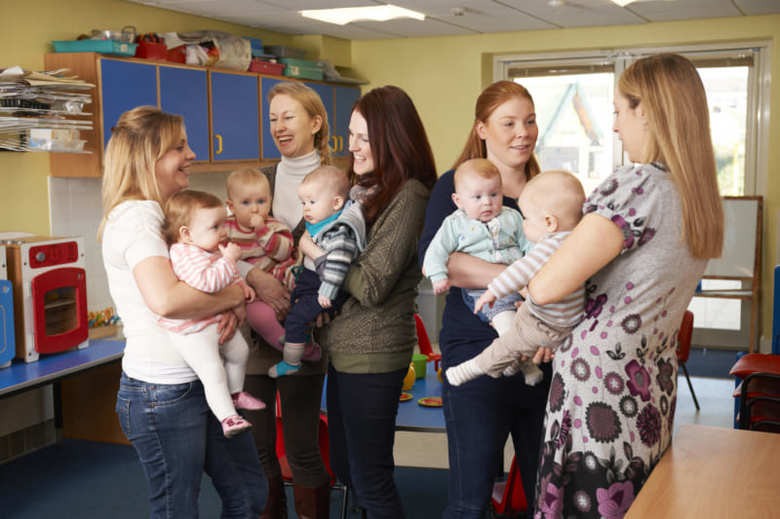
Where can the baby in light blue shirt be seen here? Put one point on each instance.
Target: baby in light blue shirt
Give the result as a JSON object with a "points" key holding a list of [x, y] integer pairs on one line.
{"points": [[480, 227]]}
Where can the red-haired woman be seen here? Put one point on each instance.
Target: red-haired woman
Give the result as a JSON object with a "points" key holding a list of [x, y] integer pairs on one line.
{"points": [[370, 343], [481, 414]]}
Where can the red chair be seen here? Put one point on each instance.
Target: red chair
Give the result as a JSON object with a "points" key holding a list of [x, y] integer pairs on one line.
{"points": [[684, 349], [508, 499], [281, 454], [425, 343], [759, 392]]}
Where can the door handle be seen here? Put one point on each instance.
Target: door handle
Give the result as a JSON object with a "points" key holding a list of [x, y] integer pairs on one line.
{"points": [[219, 143]]}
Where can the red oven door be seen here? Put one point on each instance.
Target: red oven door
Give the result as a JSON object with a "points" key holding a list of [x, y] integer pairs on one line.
{"points": [[59, 299]]}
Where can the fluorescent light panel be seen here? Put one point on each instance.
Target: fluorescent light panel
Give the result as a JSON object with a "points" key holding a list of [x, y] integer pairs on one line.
{"points": [[622, 3], [345, 15]]}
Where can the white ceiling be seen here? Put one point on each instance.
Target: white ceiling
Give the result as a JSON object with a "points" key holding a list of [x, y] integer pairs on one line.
{"points": [[447, 17]]}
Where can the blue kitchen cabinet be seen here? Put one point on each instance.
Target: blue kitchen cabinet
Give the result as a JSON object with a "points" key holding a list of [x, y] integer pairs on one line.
{"points": [[185, 92], [125, 85], [270, 151], [234, 115], [345, 98]]}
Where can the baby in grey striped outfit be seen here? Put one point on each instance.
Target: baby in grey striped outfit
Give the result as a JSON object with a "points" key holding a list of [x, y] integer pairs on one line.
{"points": [[551, 205]]}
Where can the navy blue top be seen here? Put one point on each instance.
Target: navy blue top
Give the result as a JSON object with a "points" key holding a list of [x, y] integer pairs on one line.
{"points": [[463, 335]]}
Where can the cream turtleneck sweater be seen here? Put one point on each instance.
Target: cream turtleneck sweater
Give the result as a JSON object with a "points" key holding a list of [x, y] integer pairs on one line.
{"points": [[289, 174]]}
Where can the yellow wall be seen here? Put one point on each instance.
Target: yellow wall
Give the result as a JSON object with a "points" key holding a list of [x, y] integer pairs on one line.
{"points": [[26, 31], [444, 75]]}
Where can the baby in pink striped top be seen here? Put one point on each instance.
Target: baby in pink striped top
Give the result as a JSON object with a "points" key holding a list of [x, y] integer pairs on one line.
{"points": [[195, 228]]}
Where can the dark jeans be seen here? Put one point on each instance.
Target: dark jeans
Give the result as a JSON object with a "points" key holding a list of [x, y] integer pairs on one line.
{"points": [[479, 416], [361, 424], [305, 307], [300, 396], [177, 437]]}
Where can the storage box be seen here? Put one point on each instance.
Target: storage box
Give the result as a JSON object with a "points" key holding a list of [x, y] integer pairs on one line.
{"points": [[151, 50], [302, 68], [303, 72], [119, 48], [283, 51], [265, 67], [178, 54]]}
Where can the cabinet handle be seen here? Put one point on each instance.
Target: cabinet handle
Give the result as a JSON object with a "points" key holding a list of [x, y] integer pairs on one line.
{"points": [[335, 140], [341, 143], [219, 143]]}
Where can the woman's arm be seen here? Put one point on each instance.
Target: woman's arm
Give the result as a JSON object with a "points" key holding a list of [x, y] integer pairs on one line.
{"points": [[168, 297], [594, 243], [269, 290], [467, 271]]}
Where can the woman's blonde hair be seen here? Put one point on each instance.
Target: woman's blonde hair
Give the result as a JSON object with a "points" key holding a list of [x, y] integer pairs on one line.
{"points": [[312, 103], [139, 139], [673, 97], [491, 98]]}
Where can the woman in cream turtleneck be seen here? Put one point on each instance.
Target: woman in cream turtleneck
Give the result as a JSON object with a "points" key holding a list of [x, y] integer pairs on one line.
{"points": [[299, 126]]}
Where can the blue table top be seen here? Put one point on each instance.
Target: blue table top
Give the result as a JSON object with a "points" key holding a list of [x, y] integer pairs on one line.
{"points": [[21, 375], [411, 415]]}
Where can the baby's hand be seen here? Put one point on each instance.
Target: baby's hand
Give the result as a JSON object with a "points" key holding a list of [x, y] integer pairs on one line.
{"points": [[249, 293], [324, 302], [230, 250], [256, 222], [441, 286], [486, 298], [524, 293]]}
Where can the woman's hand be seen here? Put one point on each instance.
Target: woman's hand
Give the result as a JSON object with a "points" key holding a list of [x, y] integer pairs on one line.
{"points": [[307, 246], [228, 323], [270, 291]]}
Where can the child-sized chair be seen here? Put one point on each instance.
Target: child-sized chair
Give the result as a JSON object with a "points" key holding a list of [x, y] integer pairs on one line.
{"points": [[508, 499], [759, 392], [281, 454], [684, 349], [424, 342]]}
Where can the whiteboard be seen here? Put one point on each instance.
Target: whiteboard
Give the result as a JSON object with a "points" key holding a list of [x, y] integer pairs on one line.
{"points": [[739, 238]]}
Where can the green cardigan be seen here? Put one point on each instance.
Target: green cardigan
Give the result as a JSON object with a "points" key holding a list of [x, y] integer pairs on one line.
{"points": [[375, 331]]}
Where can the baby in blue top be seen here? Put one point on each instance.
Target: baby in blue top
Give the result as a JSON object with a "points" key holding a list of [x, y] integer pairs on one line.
{"points": [[483, 228]]}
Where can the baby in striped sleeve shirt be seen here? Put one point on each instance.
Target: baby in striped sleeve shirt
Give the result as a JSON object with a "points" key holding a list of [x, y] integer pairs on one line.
{"points": [[551, 206], [194, 227]]}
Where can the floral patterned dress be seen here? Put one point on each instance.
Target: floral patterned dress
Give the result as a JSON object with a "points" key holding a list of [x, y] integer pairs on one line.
{"points": [[614, 388]]}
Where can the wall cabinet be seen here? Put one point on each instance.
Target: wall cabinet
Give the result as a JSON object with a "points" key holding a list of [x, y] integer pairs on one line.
{"points": [[225, 112]]}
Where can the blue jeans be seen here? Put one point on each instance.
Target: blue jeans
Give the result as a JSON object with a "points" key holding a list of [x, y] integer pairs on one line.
{"points": [[361, 429], [177, 437], [479, 416]]}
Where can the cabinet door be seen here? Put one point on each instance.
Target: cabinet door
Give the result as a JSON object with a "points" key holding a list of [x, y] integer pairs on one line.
{"points": [[345, 98], [125, 85], [270, 151], [184, 92], [235, 117]]}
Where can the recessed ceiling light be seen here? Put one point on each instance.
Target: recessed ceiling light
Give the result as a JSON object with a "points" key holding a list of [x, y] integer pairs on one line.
{"points": [[345, 15]]}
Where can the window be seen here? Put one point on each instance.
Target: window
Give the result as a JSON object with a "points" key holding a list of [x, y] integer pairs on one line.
{"points": [[573, 94]]}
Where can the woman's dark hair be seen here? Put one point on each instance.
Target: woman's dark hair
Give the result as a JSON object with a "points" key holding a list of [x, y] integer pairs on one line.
{"points": [[399, 146]]}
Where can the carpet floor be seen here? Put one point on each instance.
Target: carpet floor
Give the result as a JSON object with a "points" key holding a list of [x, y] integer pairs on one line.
{"points": [[86, 480], [711, 363]]}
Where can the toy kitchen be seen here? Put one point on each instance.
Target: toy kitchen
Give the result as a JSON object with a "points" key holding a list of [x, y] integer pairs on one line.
{"points": [[43, 296]]}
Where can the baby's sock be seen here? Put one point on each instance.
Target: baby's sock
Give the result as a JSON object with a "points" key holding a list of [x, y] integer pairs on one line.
{"points": [[533, 375], [262, 319], [463, 372], [292, 361]]}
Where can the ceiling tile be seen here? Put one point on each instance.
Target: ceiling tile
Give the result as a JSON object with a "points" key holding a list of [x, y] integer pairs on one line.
{"points": [[664, 10], [478, 15], [753, 7], [576, 13]]}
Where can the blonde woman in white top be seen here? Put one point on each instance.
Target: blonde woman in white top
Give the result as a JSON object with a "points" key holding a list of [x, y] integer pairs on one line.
{"points": [[161, 404]]}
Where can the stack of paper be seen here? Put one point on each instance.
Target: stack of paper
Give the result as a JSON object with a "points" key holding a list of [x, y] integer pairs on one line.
{"points": [[39, 110]]}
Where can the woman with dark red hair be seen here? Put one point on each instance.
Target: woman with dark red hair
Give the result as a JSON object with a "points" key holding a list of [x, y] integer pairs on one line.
{"points": [[370, 343]]}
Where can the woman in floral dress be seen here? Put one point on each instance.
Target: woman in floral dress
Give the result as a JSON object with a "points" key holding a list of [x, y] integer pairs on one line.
{"points": [[641, 247]]}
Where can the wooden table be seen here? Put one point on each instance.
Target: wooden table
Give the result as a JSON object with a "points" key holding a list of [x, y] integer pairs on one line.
{"points": [[712, 472]]}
